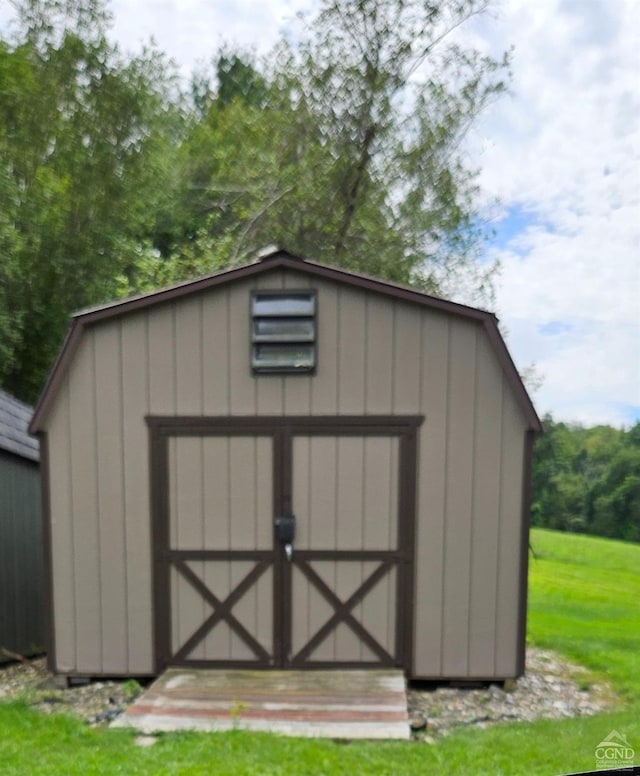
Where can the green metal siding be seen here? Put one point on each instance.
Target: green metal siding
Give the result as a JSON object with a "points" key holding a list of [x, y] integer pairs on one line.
{"points": [[21, 573]]}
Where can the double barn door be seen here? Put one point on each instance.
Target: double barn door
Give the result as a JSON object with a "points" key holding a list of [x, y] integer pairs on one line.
{"points": [[283, 542]]}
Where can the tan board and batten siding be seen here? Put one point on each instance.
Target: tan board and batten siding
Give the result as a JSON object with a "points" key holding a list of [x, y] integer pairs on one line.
{"points": [[377, 355], [231, 477]]}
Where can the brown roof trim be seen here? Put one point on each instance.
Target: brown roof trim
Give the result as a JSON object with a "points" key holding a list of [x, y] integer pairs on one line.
{"points": [[513, 376], [56, 376], [274, 260], [277, 259]]}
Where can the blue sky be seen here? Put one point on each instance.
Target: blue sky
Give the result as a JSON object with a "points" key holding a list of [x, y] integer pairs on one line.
{"points": [[561, 154], [514, 221]]}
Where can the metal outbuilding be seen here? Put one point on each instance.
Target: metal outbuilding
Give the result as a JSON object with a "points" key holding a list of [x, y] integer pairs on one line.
{"points": [[21, 612], [286, 465]]}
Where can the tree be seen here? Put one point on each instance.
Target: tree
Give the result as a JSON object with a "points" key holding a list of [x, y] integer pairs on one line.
{"points": [[81, 129], [588, 480], [346, 146], [558, 486], [395, 92], [613, 502]]}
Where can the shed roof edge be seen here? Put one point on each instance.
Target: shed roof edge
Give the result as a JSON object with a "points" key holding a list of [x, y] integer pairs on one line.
{"points": [[267, 263], [14, 420]]}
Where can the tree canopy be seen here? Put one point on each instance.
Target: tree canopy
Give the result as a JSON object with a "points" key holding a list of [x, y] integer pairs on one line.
{"points": [[588, 480], [80, 127], [344, 146]]}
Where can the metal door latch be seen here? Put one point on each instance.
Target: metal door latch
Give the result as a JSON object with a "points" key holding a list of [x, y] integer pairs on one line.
{"points": [[288, 551]]}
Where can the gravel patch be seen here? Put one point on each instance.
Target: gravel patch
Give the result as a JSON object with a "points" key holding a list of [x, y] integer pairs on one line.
{"points": [[552, 688], [97, 702]]}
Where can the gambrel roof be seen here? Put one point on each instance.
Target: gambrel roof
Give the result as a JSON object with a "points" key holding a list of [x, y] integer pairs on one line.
{"points": [[281, 259]]}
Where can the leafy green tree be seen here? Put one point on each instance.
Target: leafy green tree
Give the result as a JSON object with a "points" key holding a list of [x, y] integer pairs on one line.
{"points": [[613, 504], [558, 487], [239, 80], [81, 134], [345, 146], [395, 93], [588, 480]]}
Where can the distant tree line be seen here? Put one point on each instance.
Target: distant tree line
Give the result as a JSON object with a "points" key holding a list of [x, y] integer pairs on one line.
{"points": [[587, 480]]}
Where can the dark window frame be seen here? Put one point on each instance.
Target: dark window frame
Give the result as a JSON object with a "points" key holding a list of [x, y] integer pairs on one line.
{"points": [[281, 342]]}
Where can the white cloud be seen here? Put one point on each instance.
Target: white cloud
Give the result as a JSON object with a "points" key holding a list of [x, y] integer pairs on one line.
{"points": [[564, 148], [191, 31]]}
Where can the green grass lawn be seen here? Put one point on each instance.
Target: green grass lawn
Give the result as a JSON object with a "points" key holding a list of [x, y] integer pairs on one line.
{"points": [[583, 602], [35, 745]]}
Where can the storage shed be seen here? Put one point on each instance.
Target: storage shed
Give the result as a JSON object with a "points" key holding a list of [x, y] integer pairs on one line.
{"points": [[286, 465], [21, 612]]}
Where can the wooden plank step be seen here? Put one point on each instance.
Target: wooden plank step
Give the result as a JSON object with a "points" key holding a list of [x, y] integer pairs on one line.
{"points": [[333, 704]]}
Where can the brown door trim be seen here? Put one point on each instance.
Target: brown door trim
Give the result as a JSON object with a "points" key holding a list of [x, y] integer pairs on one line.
{"points": [[158, 461], [407, 486], [164, 557], [282, 429], [206, 425]]}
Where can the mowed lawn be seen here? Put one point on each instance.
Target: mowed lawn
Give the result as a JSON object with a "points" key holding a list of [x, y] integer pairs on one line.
{"points": [[584, 595], [584, 601]]}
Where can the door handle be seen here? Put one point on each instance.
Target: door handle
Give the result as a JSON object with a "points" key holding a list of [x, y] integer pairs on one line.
{"points": [[285, 526]]}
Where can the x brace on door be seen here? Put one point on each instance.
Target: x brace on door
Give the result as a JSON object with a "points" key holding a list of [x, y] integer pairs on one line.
{"points": [[342, 612], [221, 609]]}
